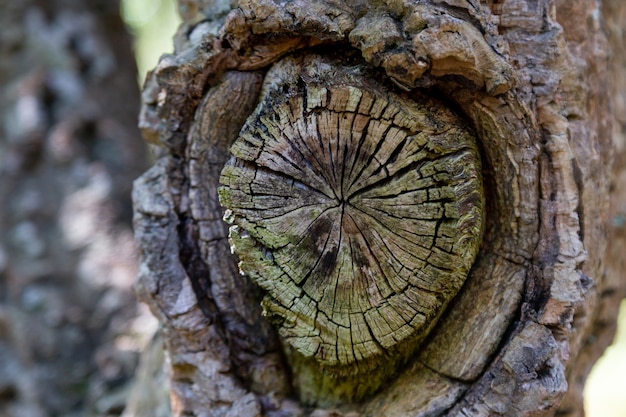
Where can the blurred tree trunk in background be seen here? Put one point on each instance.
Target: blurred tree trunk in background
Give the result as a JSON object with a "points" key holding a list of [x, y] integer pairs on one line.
{"points": [[69, 151]]}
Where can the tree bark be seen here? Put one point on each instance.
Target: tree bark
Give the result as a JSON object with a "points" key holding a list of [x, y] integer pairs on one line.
{"points": [[340, 282], [69, 151]]}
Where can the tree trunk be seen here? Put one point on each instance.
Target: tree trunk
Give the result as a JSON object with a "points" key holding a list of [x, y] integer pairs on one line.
{"points": [[69, 151], [383, 208]]}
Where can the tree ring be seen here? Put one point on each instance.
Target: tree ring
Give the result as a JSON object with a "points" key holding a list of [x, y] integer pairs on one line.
{"points": [[358, 211]]}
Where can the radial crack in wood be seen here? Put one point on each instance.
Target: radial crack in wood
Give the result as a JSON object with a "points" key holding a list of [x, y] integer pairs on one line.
{"points": [[358, 210]]}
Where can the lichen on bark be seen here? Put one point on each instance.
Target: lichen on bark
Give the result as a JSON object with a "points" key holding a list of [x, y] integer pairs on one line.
{"points": [[358, 210]]}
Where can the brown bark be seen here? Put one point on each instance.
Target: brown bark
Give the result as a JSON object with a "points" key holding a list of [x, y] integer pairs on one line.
{"points": [[359, 213], [537, 306], [69, 150]]}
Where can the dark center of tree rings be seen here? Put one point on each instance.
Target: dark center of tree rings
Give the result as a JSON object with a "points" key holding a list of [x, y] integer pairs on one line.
{"points": [[358, 211]]}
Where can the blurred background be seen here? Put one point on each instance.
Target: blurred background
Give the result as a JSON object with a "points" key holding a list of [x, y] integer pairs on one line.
{"points": [[605, 395], [152, 24]]}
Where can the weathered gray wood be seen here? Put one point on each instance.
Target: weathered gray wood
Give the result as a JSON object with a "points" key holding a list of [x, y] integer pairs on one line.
{"points": [[527, 85], [359, 211]]}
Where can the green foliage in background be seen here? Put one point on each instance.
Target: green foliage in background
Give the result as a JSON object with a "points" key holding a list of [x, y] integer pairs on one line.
{"points": [[152, 23], [605, 395]]}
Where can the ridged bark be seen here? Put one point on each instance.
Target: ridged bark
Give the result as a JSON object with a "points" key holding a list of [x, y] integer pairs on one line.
{"points": [[521, 76]]}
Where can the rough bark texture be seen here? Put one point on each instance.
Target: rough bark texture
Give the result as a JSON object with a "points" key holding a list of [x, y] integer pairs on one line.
{"points": [[528, 78], [69, 150]]}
